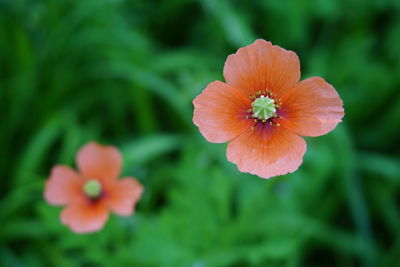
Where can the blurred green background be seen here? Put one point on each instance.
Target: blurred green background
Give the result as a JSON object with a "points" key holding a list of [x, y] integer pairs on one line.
{"points": [[125, 73]]}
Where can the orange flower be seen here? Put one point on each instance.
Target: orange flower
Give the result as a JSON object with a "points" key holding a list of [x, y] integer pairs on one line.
{"points": [[90, 194], [263, 110]]}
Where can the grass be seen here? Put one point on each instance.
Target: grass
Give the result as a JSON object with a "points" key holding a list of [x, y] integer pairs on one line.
{"points": [[125, 73]]}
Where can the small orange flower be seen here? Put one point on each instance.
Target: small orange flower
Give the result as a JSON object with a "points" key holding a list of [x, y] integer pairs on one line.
{"points": [[90, 194], [263, 110]]}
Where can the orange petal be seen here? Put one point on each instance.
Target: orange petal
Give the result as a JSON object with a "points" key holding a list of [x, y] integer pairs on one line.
{"points": [[97, 161], [63, 185], [311, 108], [220, 112], [267, 151], [85, 216], [123, 195], [261, 66]]}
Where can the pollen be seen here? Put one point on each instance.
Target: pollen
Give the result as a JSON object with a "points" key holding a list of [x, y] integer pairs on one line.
{"points": [[264, 108]]}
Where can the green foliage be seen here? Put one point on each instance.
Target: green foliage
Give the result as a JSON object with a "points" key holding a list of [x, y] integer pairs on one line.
{"points": [[125, 73]]}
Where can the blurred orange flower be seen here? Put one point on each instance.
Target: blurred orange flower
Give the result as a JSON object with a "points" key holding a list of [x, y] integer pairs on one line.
{"points": [[263, 109], [90, 194]]}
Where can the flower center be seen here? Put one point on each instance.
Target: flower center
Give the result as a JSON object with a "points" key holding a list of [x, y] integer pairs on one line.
{"points": [[263, 107], [92, 188]]}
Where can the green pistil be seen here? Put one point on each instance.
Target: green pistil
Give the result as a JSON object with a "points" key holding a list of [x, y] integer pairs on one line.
{"points": [[263, 108], [92, 188]]}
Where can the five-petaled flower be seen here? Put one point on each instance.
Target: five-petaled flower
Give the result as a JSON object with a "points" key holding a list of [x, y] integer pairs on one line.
{"points": [[263, 110], [91, 193]]}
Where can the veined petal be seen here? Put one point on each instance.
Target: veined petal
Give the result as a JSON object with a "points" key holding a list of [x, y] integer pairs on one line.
{"points": [[220, 112], [261, 66], [85, 216], [123, 195], [63, 185], [101, 162], [267, 151], [311, 108]]}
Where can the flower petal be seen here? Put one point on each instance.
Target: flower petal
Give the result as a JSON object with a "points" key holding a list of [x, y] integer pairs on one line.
{"points": [[311, 108], [63, 185], [267, 151], [261, 66], [97, 161], [123, 195], [220, 112], [85, 216]]}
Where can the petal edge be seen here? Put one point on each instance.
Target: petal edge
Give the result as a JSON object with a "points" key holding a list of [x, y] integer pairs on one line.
{"points": [[98, 161], [85, 217], [311, 108], [267, 151], [63, 185], [261, 66], [220, 112], [123, 195]]}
